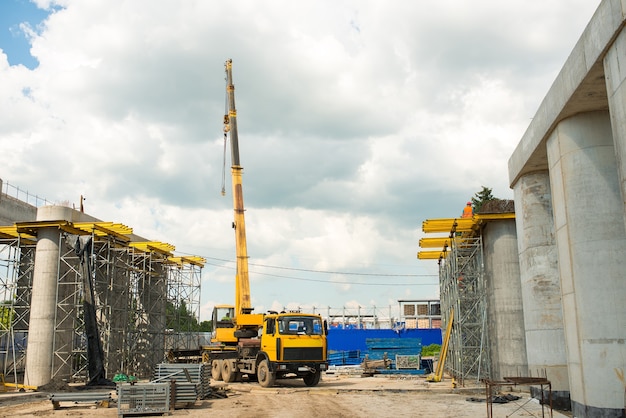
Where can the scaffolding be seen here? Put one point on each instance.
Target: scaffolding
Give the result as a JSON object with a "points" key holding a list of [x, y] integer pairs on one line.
{"points": [[462, 289], [183, 302], [132, 282], [16, 275]]}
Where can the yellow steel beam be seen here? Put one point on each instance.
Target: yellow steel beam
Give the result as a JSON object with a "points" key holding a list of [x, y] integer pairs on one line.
{"points": [[435, 242], [446, 224], [100, 229], [149, 246], [459, 228], [10, 231], [195, 260], [31, 228], [431, 255]]}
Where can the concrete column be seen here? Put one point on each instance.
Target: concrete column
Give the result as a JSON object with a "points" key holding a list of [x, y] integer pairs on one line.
{"points": [[615, 73], [591, 242], [541, 286], [505, 316], [43, 308], [42, 328]]}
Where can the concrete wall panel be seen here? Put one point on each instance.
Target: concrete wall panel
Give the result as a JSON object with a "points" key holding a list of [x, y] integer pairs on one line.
{"points": [[615, 70]]}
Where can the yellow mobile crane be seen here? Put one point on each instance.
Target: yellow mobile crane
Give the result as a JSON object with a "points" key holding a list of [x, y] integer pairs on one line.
{"points": [[262, 346]]}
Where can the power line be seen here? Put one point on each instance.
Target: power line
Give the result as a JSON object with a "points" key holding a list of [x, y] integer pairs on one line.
{"points": [[326, 271], [323, 281]]}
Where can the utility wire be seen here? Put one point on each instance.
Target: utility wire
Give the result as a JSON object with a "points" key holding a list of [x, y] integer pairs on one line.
{"points": [[324, 281], [326, 271]]}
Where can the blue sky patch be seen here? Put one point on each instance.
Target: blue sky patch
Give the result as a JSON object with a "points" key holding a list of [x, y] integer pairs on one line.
{"points": [[13, 39]]}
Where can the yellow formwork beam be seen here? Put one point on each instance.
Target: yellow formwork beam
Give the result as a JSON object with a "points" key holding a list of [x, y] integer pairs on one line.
{"points": [[195, 260], [10, 231], [458, 228], [31, 228], [446, 224], [431, 255], [149, 246], [101, 229], [435, 242]]}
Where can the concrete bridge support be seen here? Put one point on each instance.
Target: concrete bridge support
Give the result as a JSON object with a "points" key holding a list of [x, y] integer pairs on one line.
{"points": [[46, 329], [540, 285], [591, 240], [43, 309], [578, 136], [505, 316]]}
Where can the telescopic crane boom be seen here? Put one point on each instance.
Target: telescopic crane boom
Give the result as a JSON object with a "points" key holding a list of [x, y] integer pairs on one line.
{"points": [[242, 281], [244, 324], [262, 346]]}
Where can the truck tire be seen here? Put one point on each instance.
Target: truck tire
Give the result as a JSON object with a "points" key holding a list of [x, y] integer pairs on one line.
{"points": [[216, 370], [229, 371], [246, 333], [266, 377], [312, 379]]}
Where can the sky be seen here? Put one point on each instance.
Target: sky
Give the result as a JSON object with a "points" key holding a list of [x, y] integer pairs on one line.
{"points": [[357, 121]]}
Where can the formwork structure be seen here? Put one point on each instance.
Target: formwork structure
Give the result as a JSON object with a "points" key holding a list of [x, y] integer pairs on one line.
{"points": [[183, 297], [462, 290], [16, 277], [128, 282]]}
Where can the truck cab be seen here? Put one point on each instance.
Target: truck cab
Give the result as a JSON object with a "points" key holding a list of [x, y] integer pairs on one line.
{"points": [[293, 344]]}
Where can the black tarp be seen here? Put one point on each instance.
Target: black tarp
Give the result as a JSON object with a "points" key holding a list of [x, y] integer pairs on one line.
{"points": [[95, 353]]}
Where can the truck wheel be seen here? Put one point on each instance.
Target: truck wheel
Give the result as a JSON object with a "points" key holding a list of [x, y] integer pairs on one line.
{"points": [[246, 333], [266, 377], [229, 371], [312, 379], [216, 370]]}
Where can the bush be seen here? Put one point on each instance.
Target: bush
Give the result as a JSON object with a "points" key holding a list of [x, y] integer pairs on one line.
{"points": [[431, 350]]}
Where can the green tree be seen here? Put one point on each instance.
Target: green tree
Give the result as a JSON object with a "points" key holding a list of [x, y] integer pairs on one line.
{"points": [[6, 315], [480, 198], [179, 319]]}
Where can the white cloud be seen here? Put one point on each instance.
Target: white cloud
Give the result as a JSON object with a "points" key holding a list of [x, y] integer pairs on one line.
{"points": [[357, 121]]}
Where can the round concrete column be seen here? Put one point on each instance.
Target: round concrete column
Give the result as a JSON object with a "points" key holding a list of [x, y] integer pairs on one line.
{"points": [[541, 286], [591, 242], [505, 316], [43, 308], [42, 328]]}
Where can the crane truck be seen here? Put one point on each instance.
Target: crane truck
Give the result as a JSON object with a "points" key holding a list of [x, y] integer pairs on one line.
{"points": [[263, 347]]}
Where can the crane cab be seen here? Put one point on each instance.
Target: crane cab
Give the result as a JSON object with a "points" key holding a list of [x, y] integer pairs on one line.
{"points": [[223, 324]]}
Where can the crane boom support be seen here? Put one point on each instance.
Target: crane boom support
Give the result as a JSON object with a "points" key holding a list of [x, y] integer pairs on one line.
{"points": [[243, 304]]}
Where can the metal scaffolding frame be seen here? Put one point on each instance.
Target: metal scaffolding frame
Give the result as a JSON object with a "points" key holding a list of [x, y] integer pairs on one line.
{"points": [[183, 301], [463, 289], [132, 283], [69, 352], [147, 310], [16, 276]]}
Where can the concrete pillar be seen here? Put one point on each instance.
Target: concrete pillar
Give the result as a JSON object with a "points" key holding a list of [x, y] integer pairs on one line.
{"points": [[591, 242], [43, 308], [615, 73], [541, 286], [42, 327], [505, 316]]}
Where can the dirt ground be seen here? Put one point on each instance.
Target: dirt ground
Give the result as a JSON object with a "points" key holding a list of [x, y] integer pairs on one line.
{"points": [[337, 395]]}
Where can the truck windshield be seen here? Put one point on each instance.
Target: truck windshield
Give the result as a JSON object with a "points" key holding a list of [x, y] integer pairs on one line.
{"points": [[302, 325]]}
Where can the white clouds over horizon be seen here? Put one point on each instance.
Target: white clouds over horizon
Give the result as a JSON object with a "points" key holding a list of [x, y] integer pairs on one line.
{"points": [[357, 121]]}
